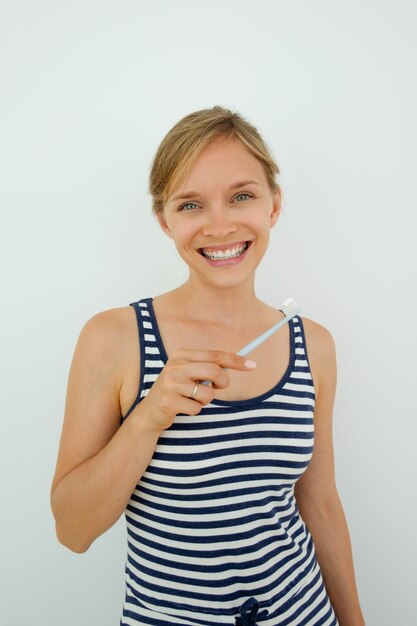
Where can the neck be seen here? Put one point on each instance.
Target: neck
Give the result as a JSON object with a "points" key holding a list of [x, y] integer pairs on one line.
{"points": [[232, 307]]}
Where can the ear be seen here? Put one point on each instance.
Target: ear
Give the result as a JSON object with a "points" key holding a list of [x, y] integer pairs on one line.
{"points": [[163, 224], [276, 208]]}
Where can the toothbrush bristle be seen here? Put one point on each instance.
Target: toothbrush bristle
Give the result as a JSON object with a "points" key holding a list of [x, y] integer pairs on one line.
{"points": [[289, 306]]}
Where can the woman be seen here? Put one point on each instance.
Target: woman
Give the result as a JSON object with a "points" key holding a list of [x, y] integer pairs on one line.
{"points": [[222, 491]]}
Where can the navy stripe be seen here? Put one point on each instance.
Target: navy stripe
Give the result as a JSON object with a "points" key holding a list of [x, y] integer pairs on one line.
{"points": [[230, 493], [262, 434], [202, 539], [247, 421], [225, 508], [202, 525], [220, 467], [214, 454], [226, 480]]}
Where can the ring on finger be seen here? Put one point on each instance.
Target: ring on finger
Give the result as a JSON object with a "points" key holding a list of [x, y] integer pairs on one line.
{"points": [[194, 392]]}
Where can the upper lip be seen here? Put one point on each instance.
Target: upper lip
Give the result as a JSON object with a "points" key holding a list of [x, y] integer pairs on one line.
{"points": [[224, 246]]}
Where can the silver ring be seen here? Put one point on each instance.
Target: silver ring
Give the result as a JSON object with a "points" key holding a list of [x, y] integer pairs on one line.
{"points": [[194, 392]]}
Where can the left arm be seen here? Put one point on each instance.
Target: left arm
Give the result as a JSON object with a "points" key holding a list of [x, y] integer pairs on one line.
{"points": [[316, 492]]}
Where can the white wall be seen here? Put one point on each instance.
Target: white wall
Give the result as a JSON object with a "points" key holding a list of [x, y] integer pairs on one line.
{"points": [[88, 90]]}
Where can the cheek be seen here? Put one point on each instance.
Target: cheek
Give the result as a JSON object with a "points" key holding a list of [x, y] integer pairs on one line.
{"points": [[184, 235], [260, 223]]}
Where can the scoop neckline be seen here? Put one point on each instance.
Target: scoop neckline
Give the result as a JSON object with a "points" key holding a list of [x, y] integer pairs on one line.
{"points": [[245, 401]]}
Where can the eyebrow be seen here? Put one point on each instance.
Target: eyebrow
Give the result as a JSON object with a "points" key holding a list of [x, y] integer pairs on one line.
{"points": [[191, 194]]}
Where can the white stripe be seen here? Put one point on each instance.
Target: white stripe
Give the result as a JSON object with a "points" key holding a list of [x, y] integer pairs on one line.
{"points": [[216, 502], [150, 350], [292, 386], [304, 375], [266, 482], [154, 364], [300, 363], [150, 378], [246, 412], [235, 471], [235, 458], [229, 429], [249, 527]]}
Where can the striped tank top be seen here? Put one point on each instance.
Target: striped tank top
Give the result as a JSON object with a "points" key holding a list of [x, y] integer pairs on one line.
{"points": [[214, 532]]}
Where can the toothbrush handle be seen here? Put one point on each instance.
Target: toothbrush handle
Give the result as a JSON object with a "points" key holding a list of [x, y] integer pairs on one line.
{"points": [[257, 342]]}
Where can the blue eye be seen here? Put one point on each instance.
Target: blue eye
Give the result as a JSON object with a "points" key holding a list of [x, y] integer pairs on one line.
{"points": [[186, 204], [244, 194]]}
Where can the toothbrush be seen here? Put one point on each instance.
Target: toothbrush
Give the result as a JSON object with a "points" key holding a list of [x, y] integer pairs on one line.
{"points": [[290, 309]]}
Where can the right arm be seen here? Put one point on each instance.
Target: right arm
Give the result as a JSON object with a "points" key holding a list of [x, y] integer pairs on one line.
{"points": [[100, 461]]}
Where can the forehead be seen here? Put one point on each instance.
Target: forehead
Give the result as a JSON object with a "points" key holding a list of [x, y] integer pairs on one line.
{"points": [[220, 163], [230, 155]]}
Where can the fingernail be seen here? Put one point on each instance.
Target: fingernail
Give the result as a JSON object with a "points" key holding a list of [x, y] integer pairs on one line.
{"points": [[250, 364]]}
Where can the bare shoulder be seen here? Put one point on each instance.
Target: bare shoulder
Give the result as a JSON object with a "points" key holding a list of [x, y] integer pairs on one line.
{"points": [[113, 320], [317, 334], [109, 331], [103, 340], [321, 350]]}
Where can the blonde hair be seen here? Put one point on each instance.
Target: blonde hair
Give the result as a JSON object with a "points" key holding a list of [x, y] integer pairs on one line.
{"points": [[183, 143]]}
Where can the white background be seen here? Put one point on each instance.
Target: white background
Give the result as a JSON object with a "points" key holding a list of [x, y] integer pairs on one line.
{"points": [[88, 90]]}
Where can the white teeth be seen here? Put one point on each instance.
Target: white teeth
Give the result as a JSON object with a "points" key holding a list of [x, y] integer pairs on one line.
{"points": [[229, 253]]}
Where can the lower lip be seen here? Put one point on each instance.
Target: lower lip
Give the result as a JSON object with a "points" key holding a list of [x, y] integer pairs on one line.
{"points": [[232, 261]]}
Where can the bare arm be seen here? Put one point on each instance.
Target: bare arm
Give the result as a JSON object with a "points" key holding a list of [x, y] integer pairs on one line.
{"points": [[100, 461], [317, 495]]}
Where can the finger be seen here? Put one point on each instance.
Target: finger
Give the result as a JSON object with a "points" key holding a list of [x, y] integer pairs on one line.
{"points": [[202, 394], [189, 407], [222, 358], [194, 391], [187, 374]]}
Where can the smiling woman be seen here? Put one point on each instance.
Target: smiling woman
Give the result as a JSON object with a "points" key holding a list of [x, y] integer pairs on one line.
{"points": [[228, 489]]}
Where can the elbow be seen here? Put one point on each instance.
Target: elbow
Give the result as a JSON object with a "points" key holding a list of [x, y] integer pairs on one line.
{"points": [[68, 540], [67, 536], [78, 549], [66, 531]]}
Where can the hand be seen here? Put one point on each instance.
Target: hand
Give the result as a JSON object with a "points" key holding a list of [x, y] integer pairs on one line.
{"points": [[171, 392]]}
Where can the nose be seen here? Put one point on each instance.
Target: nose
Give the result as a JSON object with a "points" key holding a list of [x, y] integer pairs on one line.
{"points": [[219, 223]]}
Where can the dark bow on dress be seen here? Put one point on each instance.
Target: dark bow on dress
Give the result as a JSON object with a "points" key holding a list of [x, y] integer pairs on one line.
{"points": [[249, 613]]}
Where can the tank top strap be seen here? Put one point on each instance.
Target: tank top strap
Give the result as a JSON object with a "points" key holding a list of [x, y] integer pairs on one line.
{"points": [[151, 362], [301, 365]]}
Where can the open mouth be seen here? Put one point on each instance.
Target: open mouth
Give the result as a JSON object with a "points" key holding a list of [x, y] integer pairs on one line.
{"points": [[223, 255]]}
